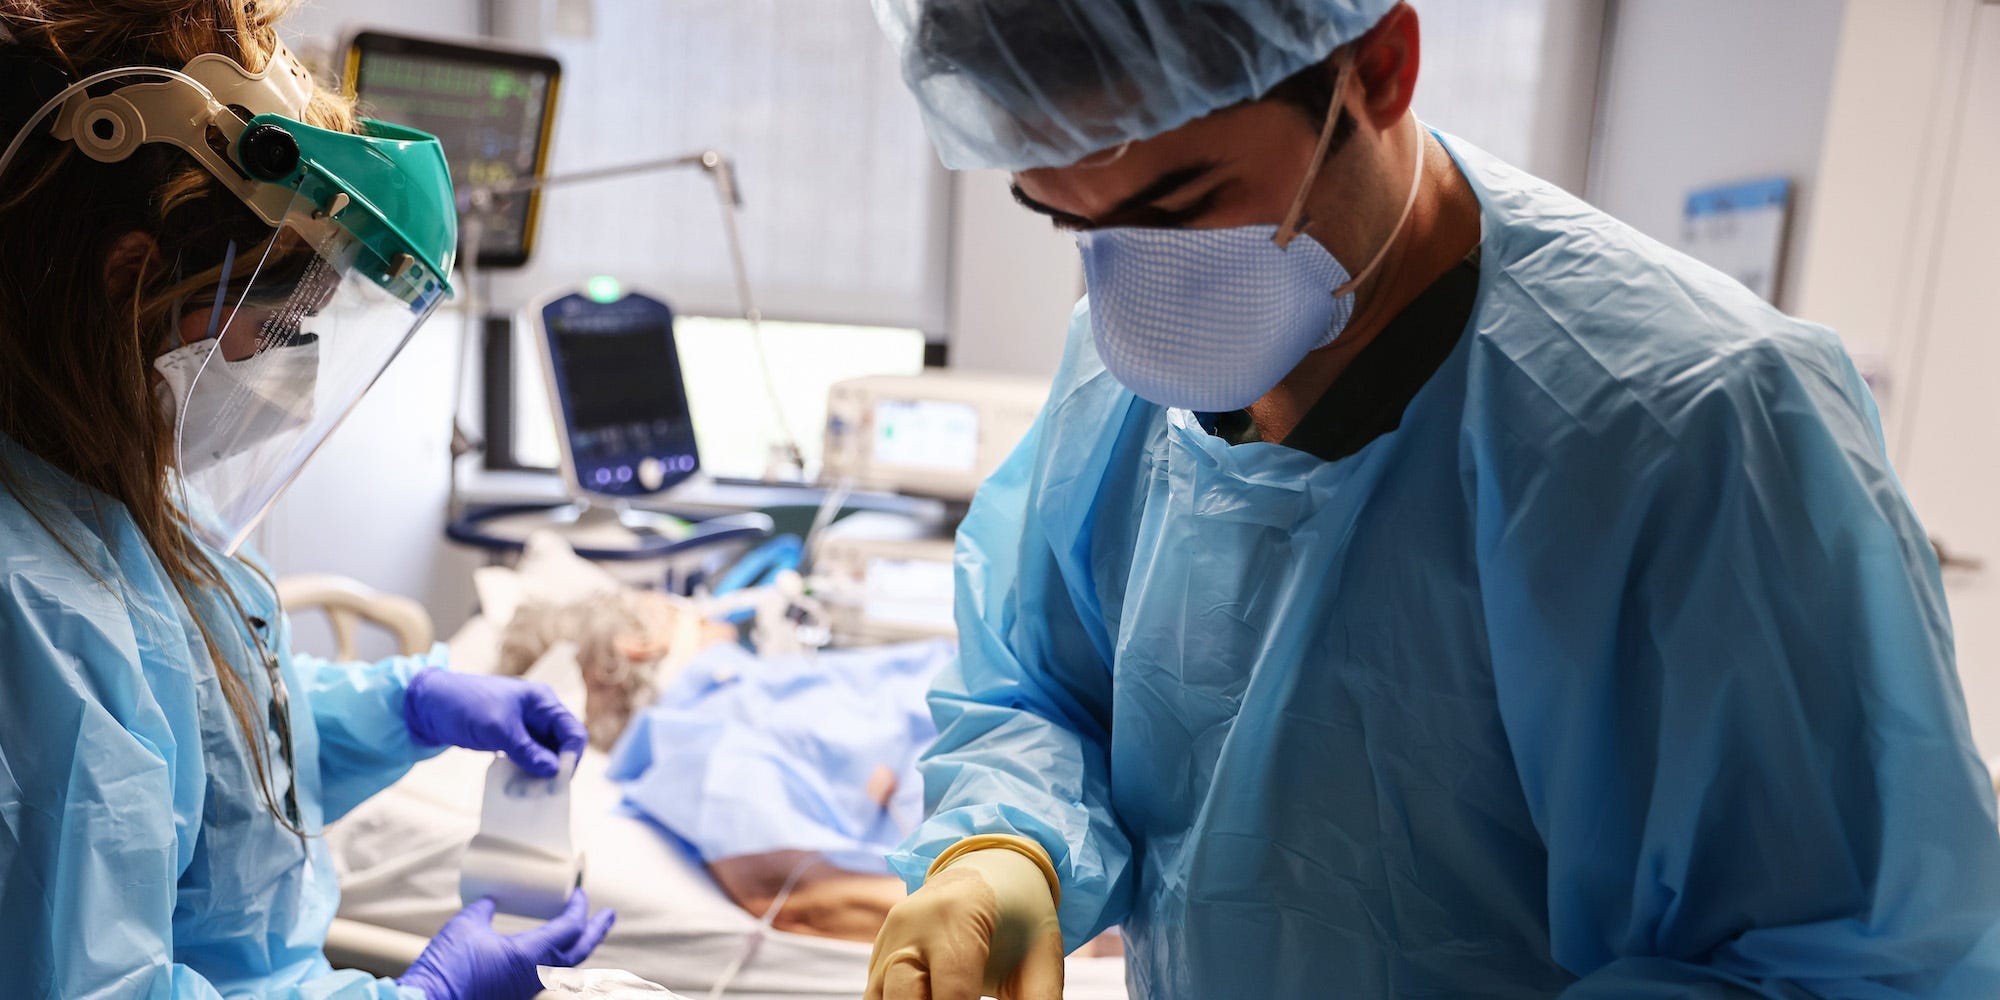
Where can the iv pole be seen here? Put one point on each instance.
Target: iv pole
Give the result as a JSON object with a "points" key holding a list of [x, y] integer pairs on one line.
{"points": [[475, 202]]}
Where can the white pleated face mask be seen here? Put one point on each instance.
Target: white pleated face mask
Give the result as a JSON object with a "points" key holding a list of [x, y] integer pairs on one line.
{"points": [[245, 403], [1212, 319]]}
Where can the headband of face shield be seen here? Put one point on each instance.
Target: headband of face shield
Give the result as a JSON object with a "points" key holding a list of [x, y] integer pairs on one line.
{"points": [[299, 325]]}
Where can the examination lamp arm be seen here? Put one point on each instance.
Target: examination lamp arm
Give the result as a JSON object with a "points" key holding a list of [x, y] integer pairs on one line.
{"points": [[480, 197]]}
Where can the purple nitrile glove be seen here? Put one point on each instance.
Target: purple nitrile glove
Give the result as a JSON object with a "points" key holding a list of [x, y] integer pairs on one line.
{"points": [[469, 960], [483, 712]]}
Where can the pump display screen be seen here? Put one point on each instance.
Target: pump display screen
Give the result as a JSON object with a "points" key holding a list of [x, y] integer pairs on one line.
{"points": [[490, 108], [926, 434], [619, 395]]}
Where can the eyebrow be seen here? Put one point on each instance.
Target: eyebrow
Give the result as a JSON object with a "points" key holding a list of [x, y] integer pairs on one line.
{"points": [[1161, 187], [1061, 217]]}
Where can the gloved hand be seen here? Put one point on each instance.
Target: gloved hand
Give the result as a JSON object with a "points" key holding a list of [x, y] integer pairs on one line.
{"points": [[469, 960], [983, 924], [483, 712]]}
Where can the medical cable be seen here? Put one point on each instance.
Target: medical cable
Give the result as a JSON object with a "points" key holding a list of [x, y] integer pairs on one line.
{"points": [[463, 443], [725, 189], [764, 925], [829, 508]]}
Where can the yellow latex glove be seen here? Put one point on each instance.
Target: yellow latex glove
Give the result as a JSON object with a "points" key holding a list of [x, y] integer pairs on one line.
{"points": [[982, 924]]}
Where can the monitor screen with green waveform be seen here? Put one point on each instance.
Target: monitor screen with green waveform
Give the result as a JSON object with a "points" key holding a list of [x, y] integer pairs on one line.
{"points": [[492, 108]]}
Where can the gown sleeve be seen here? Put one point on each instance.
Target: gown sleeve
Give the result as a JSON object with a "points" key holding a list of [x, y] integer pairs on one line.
{"points": [[364, 743], [1023, 713], [1726, 673], [94, 831]]}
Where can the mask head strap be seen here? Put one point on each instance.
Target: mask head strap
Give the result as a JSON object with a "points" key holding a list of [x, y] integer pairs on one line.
{"points": [[1409, 202], [1105, 157], [221, 291], [1290, 226]]}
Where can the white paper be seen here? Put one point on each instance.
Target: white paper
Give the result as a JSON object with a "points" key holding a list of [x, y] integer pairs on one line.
{"points": [[602, 984], [523, 855]]}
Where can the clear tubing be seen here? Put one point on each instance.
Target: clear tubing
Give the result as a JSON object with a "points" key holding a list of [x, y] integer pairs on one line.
{"points": [[87, 82]]}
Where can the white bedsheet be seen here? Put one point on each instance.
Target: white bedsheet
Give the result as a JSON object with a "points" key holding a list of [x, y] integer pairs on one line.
{"points": [[398, 858]]}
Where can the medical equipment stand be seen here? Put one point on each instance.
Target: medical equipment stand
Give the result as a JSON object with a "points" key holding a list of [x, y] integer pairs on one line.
{"points": [[474, 202]]}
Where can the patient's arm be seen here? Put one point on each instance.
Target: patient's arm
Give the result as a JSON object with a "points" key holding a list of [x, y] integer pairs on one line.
{"points": [[832, 902], [826, 902]]}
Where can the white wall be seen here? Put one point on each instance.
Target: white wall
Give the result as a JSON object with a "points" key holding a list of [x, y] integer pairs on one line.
{"points": [[1881, 180], [1572, 70], [1700, 92], [1015, 279], [316, 27], [1517, 78]]}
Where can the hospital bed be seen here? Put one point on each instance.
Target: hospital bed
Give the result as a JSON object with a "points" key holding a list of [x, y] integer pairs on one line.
{"points": [[398, 858]]}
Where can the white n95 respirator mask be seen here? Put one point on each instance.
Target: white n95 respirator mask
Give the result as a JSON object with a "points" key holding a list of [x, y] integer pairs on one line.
{"points": [[1212, 319], [1208, 319], [243, 403]]}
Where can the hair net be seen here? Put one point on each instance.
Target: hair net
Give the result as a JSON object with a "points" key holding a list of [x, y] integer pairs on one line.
{"points": [[1038, 83]]}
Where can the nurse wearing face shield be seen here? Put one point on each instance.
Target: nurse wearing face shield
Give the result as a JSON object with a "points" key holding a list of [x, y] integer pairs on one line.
{"points": [[205, 261], [1418, 583]]}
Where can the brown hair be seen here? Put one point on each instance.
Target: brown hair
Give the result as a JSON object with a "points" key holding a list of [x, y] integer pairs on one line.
{"points": [[76, 346]]}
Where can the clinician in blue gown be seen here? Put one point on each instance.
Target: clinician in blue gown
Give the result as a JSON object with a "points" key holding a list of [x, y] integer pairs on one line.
{"points": [[174, 341], [1576, 639]]}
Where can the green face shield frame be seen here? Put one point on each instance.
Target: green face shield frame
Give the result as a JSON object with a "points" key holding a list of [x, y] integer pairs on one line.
{"points": [[388, 187]]}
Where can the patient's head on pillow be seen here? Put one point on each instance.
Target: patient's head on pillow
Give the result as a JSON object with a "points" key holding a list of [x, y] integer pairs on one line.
{"points": [[623, 642]]}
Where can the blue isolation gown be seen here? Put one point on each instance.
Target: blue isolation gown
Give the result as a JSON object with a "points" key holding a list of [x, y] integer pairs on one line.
{"points": [[137, 858], [1621, 669]]}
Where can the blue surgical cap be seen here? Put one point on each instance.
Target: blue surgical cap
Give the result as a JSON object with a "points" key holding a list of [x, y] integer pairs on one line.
{"points": [[1016, 84]]}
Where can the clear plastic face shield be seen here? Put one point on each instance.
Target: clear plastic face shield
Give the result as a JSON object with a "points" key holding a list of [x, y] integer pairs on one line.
{"points": [[287, 358], [363, 234]]}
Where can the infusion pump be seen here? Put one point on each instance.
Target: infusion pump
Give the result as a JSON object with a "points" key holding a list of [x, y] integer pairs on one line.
{"points": [[938, 434], [885, 589]]}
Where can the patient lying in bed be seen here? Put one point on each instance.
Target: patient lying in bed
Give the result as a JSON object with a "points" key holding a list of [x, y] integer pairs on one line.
{"points": [[789, 777]]}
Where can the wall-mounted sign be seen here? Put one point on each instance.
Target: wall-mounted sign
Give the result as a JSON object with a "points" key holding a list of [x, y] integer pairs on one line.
{"points": [[1739, 229]]}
